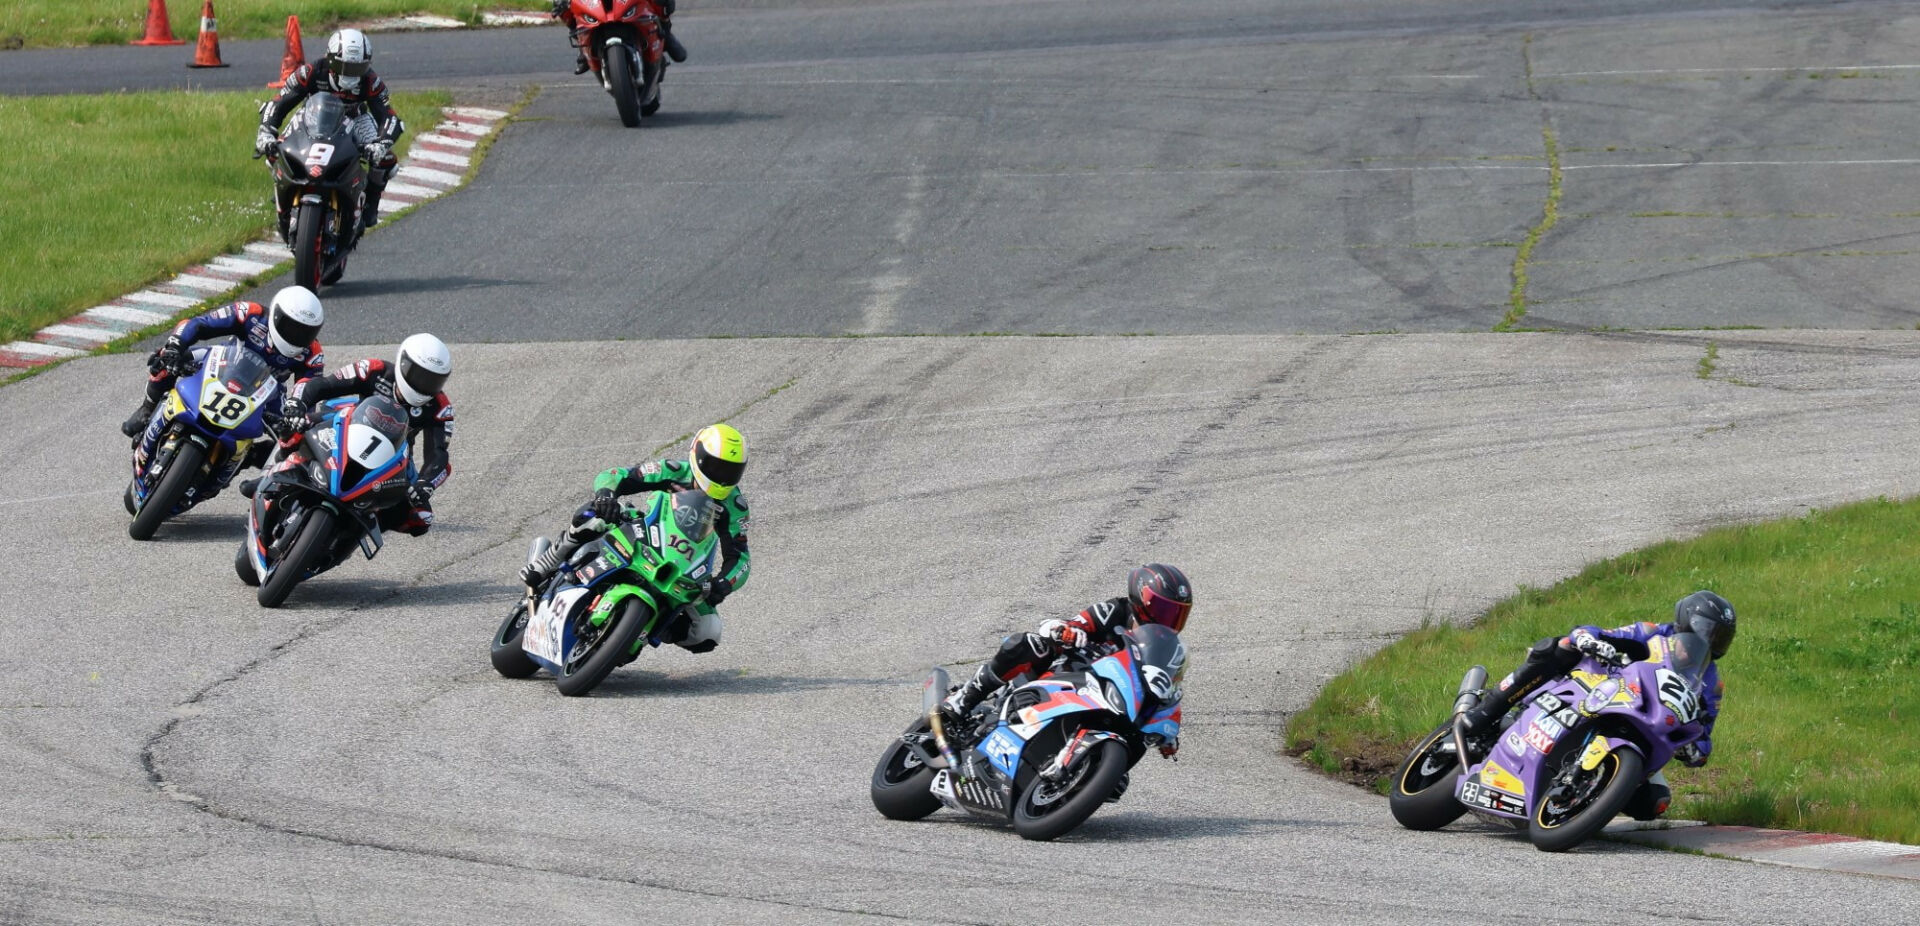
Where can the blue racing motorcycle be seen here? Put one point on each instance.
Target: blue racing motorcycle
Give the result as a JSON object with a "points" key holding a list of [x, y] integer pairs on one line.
{"points": [[1044, 754], [199, 436]]}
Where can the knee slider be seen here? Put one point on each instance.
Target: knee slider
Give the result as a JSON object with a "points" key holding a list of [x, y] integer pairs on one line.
{"points": [[703, 633]]}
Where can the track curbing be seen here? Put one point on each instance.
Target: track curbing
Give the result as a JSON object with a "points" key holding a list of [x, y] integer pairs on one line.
{"points": [[1792, 848]]}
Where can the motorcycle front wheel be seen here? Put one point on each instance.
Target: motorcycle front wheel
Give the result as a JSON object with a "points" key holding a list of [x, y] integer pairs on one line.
{"points": [[179, 477], [1422, 794], [1557, 826], [1051, 809], [308, 547], [901, 788], [308, 263], [591, 662], [620, 83]]}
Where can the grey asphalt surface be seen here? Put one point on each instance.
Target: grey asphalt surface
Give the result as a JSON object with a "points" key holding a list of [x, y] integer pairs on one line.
{"points": [[1344, 167], [353, 758]]}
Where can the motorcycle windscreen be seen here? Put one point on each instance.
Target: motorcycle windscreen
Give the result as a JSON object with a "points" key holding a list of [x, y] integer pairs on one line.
{"points": [[373, 448], [233, 383], [1681, 684], [323, 116], [1162, 659]]}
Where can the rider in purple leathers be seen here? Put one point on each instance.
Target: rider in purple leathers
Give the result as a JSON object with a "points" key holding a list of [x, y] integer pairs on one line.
{"points": [[1702, 612]]}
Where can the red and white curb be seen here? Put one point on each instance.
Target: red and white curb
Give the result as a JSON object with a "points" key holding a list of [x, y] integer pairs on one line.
{"points": [[436, 163], [1822, 851], [420, 21]]}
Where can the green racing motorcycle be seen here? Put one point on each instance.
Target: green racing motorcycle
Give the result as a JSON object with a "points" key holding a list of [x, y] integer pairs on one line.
{"points": [[637, 586]]}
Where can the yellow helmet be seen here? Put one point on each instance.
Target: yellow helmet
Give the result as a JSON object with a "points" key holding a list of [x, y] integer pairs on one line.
{"points": [[718, 458]]}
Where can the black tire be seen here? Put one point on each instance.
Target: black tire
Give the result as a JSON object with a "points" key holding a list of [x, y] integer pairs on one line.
{"points": [[126, 498], [1108, 761], [1623, 769], [308, 263], [578, 677], [508, 658], [243, 566], [618, 62], [315, 535], [901, 782], [180, 476], [1421, 796]]}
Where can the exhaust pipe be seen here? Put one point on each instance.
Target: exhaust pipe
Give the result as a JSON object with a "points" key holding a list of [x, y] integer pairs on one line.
{"points": [[1475, 679]]}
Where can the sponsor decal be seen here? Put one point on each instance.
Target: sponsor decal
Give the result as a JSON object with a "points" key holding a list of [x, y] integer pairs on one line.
{"points": [[1473, 795], [1515, 743], [1549, 726], [1495, 775], [1549, 702], [1539, 740]]}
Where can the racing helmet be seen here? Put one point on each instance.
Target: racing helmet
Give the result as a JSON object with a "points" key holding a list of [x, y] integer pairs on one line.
{"points": [[349, 57], [1160, 595], [421, 368], [719, 458], [293, 320], [1708, 615]]}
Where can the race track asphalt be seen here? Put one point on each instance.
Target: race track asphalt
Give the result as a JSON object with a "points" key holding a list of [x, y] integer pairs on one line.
{"points": [[1250, 191]]}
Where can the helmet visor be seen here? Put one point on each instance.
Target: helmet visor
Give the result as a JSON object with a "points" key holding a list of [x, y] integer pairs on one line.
{"points": [[348, 69], [1718, 634], [716, 470], [1165, 611], [419, 379], [292, 330]]}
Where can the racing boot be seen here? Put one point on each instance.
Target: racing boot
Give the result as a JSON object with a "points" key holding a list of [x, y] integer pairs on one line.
{"points": [[137, 422], [370, 214], [962, 700], [675, 50], [249, 486], [580, 63], [535, 573]]}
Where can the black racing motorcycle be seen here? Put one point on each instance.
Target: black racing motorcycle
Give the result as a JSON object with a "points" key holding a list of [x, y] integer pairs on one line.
{"points": [[319, 184]]}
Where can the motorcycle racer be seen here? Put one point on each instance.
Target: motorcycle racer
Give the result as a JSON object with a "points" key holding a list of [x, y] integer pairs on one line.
{"points": [[715, 461], [1156, 594], [414, 379], [347, 72], [563, 11], [285, 333], [1702, 612]]}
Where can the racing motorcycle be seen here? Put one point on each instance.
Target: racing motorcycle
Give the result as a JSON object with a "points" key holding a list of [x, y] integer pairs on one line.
{"points": [[633, 588], [622, 43], [1044, 754], [199, 436], [319, 180], [323, 499], [1579, 752]]}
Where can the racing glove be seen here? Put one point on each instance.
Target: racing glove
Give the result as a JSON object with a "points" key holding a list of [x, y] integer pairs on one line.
{"points": [[1063, 633], [1597, 648], [263, 142], [605, 505], [171, 352], [1169, 746], [379, 153], [1691, 755], [419, 494], [718, 590]]}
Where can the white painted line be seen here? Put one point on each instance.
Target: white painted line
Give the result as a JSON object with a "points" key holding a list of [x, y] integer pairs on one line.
{"points": [[436, 22], [167, 299], [210, 284], [428, 175], [408, 189], [240, 265], [79, 333], [464, 128], [37, 349], [124, 313], [418, 153], [515, 19], [269, 250], [1667, 165], [484, 115], [448, 140], [1765, 70]]}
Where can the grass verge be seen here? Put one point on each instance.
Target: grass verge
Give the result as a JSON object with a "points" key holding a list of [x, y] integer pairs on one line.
{"points": [[107, 193], [1822, 686], [42, 23]]}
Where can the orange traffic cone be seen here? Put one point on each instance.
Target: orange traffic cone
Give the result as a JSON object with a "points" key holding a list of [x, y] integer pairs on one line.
{"points": [[159, 32], [294, 58], [207, 53]]}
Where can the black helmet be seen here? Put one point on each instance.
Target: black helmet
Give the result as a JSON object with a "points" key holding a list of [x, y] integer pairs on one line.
{"points": [[1160, 595], [1708, 615]]}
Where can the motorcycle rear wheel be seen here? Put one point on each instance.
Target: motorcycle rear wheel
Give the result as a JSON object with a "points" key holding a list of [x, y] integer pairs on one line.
{"points": [[579, 677], [243, 566], [315, 534], [509, 659], [1060, 816], [308, 262], [902, 784], [179, 477], [1421, 797], [1625, 770], [620, 83]]}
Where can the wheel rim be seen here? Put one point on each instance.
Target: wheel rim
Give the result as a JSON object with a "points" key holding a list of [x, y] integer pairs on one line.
{"points": [[516, 624], [1050, 793], [1430, 769], [588, 641], [1563, 802], [904, 765]]}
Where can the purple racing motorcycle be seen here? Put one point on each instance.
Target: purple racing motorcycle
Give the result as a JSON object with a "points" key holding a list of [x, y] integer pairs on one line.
{"points": [[1569, 759]]}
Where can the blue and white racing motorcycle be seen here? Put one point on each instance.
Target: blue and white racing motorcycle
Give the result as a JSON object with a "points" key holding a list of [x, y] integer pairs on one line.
{"points": [[1045, 754], [199, 436]]}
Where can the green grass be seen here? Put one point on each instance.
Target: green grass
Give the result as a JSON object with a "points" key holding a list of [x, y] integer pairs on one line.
{"points": [[38, 23], [107, 193], [1822, 685]]}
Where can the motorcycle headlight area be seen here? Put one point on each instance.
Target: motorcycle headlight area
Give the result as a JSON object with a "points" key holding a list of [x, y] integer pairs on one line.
{"points": [[1110, 693]]}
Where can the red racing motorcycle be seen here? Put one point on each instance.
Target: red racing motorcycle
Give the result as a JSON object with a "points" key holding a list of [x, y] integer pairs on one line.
{"points": [[621, 41]]}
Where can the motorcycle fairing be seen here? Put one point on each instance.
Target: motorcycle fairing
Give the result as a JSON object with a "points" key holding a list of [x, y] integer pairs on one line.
{"points": [[550, 634]]}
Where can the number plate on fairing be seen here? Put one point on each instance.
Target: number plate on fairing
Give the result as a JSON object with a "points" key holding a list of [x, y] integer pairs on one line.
{"points": [[545, 636]]}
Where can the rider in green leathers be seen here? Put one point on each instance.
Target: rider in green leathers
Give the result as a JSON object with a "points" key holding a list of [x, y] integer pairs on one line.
{"points": [[714, 465]]}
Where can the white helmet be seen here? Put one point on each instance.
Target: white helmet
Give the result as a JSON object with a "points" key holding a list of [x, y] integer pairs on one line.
{"points": [[349, 55], [294, 320], [421, 368]]}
